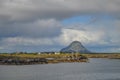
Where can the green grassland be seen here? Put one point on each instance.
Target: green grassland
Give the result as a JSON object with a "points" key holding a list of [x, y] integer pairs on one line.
{"points": [[35, 55], [103, 55]]}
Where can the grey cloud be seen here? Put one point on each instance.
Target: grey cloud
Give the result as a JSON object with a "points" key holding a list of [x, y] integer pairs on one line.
{"points": [[41, 18], [20, 17], [32, 9], [38, 28], [91, 36]]}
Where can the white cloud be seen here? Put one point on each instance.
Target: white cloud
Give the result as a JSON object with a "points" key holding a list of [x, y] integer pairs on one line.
{"points": [[84, 36]]}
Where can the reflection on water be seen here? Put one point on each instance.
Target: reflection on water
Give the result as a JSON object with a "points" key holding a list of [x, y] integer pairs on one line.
{"points": [[97, 69]]}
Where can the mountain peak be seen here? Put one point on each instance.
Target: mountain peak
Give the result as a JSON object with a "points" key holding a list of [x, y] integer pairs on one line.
{"points": [[75, 47], [76, 42]]}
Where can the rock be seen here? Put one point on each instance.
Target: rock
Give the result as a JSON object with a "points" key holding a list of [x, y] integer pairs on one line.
{"points": [[75, 47]]}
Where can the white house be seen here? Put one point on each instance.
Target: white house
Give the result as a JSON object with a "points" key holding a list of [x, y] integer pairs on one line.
{"points": [[57, 52]]}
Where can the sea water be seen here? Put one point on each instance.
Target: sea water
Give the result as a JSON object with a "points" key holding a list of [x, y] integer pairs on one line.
{"points": [[96, 69]]}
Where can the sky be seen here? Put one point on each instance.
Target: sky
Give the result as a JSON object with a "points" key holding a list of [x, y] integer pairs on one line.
{"points": [[50, 25]]}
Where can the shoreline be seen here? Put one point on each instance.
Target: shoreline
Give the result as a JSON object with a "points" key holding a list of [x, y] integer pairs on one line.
{"points": [[48, 62], [41, 59], [33, 59]]}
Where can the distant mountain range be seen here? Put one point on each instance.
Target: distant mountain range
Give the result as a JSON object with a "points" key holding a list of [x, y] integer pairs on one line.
{"points": [[75, 47]]}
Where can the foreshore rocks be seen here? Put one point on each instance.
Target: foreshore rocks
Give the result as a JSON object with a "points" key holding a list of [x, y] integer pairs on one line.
{"points": [[24, 61], [29, 61]]}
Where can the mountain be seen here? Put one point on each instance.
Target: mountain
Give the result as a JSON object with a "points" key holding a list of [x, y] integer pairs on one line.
{"points": [[75, 47]]}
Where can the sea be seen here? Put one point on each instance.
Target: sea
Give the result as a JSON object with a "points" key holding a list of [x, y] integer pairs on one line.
{"points": [[95, 69]]}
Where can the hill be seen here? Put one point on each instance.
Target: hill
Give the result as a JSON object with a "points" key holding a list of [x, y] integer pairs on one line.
{"points": [[75, 47]]}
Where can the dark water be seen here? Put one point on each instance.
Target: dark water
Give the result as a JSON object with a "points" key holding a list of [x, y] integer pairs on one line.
{"points": [[97, 69]]}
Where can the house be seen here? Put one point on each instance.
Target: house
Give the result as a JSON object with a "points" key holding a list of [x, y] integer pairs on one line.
{"points": [[39, 52], [56, 52]]}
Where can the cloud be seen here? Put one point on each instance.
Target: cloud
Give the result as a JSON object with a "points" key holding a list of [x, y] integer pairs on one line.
{"points": [[89, 36], [1, 48], [38, 18], [38, 28], [13, 41], [22, 10], [84, 36], [39, 22], [12, 44]]}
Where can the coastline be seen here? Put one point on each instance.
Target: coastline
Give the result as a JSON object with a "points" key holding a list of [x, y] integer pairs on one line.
{"points": [[32, 59], [41, 59]]}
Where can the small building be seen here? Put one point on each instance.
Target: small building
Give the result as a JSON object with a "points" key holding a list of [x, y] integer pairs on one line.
{"points": [[57, 53], [39, 52]]}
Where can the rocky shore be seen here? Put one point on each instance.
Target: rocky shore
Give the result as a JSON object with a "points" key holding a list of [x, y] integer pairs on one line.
{"points": [[29, 61]]}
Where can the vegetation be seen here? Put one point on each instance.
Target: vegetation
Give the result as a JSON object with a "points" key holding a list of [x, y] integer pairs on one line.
{"points": [[35, 58], [103, 55], [25, 58], [35, 55]]}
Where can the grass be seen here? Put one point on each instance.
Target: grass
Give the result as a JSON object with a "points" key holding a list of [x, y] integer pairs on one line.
{"points": [[37, 55], [103, 55], [51, 58], [58, 58], [90, 55]]}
